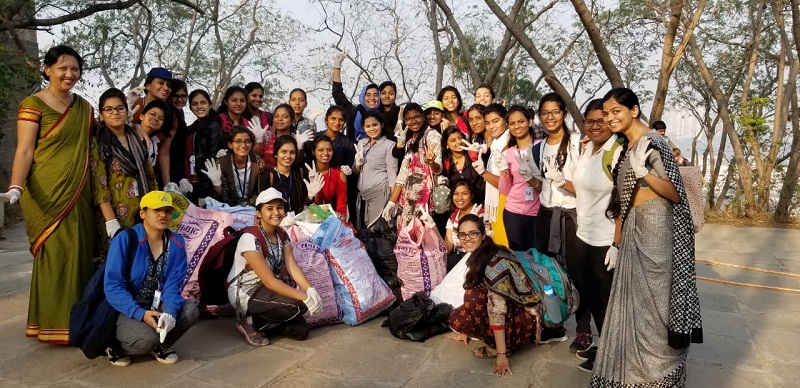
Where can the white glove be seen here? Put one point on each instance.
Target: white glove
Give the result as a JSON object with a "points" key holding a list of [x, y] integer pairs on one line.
{"points": [[474, 147], [312, 169], [444, 124], [346, 170], [288, 221], [476, 209], [134, 95], [112, 226], [611, 258], [132, 113], [313, 116], [478, 165], [184, 186], [389, 211], [338, 59], [360, 154], [426, 219], [552, 174], [201, 202], [527, 169], [313, 301], [303, 138], [213, 172], [500, 162], [400, 132], [11, 196], [173, 187], [258, 131], [166, 323], [638, 157], [441, 180], [222, 152], [314, 185]]}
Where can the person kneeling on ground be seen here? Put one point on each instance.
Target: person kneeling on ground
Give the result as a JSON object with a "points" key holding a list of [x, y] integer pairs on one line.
{"points": [[499, 303], [147, 290], [265, 304]]}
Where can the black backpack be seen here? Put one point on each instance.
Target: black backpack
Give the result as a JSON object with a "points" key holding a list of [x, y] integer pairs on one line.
{"points": [[92, 320]]}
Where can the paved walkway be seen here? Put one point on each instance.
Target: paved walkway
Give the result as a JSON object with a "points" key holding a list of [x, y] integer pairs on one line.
{"points": [[750, 338]]}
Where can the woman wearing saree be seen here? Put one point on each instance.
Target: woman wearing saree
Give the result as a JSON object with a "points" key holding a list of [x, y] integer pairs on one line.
{"points": [[50, 178]]}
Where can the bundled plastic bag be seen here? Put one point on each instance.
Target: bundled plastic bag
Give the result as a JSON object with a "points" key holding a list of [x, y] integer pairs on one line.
{"points": [[312, 262], [379, 240], [421, 258], [243, 216], [360, 292], [419, 318], [451, 289], [200, 228]]}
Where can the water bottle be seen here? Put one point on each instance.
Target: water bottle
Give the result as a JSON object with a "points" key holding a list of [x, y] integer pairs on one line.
{"points": [[552, 305]]}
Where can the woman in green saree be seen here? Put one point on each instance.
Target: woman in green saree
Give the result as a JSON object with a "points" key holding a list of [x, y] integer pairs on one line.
{"points": [[50, 178]]}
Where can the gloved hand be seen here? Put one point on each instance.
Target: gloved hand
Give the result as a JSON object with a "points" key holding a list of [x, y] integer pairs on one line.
{"points": [[638, 157], [346, 170], [389, 211], [474, 147], [552, 174], [445, 124], [500, 162], [184, 186], [313, 301], [173, 187], [303, 138], [611, 258], [222, 152], [312, 169], [258, 131], [476, 209], [213, 172], [112, 226], [478, 165], [426, 219], [400, 133], [360, 154], [134, 95], [288, 221], [11, 196], [132, 113], [338, 59], [166, 323], [201, 202], [441, 180], [314, 185], [527, 168], [313, 115]]}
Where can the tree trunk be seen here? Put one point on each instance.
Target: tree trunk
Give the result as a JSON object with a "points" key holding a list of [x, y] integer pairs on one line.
{"points": [[597, 43], [793, 170], [433, 23], [462, 41]]}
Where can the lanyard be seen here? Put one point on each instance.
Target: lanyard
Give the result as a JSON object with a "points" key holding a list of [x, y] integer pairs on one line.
{"points": [[242, 184], [162, 262], [287, 194]]}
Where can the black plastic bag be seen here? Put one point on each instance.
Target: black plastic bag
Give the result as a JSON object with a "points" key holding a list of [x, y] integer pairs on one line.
{"points": [[379, 240], [419, 318]]}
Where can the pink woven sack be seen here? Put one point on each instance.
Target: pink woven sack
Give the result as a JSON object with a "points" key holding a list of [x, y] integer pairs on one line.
{"points": [[421, 259]]}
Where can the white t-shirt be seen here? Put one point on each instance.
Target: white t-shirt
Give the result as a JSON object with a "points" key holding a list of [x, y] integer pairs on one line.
{"points": [[593, 192], [550, 196], [249, 280]]}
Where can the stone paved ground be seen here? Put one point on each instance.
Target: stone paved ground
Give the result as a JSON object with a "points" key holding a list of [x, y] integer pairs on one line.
{"points": [[750, 338]]}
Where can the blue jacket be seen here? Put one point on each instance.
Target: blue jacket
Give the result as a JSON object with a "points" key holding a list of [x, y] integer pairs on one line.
{"points": [[116, 284]]}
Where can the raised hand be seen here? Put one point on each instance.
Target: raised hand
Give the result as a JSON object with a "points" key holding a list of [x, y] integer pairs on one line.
{"points": [[314, 185], [400, 133], [360, 154], [346, 170], [339, 58], [303, 138], [312, 170], [258, 131], [185, 187], [553, 175], [527, 168], [638, 157], [213, 172], [500, 162]]}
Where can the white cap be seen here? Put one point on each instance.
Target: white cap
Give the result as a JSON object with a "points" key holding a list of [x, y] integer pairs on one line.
{"points": [[268, 195]]}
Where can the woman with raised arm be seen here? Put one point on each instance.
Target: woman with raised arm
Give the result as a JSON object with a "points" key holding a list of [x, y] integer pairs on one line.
{"points": [[452, 103], [231, 110], [50, 178], [653, 312], [376, 169], [241, 175], [368, 100], [202, 143]]}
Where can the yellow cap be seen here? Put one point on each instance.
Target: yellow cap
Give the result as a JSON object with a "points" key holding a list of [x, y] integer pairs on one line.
{"points": [[156, 200]]}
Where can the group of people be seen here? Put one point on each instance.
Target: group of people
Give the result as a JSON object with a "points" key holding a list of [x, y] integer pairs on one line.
{"points": [[609, 207]]}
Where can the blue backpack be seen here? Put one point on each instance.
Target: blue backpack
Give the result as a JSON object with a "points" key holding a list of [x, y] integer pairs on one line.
{"points": [[543, 270]]}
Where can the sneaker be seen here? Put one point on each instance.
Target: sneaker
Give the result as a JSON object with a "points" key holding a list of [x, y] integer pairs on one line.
{"points": [[551, 334], [582, 342], [587, 365], [587, 354], [251, 335], [165, 355], [114, 358]]}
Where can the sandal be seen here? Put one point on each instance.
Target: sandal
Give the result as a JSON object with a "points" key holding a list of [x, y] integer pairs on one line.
{"points": [[251, 335], [483, 352]]}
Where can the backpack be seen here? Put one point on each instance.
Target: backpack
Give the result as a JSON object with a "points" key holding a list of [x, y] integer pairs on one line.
{"points": [[92, 320], [543, 270], [212, 277], [608, 158]]}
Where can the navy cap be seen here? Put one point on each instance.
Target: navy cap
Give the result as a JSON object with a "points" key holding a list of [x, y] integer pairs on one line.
{"points": [[160, 72]]}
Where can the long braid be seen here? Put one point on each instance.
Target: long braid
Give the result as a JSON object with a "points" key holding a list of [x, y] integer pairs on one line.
{"points": [[614, 205]]}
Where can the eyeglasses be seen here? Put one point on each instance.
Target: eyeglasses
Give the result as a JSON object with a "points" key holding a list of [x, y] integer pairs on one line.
{"points": [[473, 234], [181, 96], [245, 142], [554, 113], [118, 109], [591, 123], [414, 118]]}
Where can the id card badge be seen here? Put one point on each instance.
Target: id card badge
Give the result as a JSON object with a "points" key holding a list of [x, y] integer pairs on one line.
{"points": [[136, 188], [191, 164], [156, 300], [529, 193]]}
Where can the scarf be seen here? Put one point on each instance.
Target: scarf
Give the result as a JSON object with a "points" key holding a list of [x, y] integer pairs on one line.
{"points": [[491, 202], [131, 161], [685, 325], [506, 277], [359, 130]]}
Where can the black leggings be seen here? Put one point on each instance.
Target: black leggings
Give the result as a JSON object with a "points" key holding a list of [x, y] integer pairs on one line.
{"points": [[592, 280], [274, 314], [520, 230]]}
